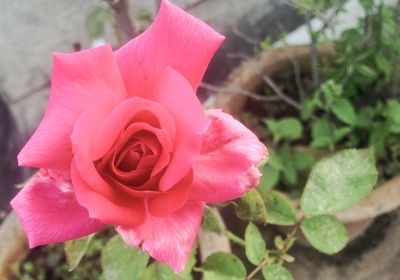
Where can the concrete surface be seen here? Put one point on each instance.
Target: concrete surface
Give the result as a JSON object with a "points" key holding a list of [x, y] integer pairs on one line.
{"points": [[31, 30]]}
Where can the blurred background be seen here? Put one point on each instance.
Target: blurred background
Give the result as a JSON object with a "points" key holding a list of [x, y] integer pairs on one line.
{"points": [[32, 30]]}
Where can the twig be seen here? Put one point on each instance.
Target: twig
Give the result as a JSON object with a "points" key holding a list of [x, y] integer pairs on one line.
{"points": [[194, 4], [327, 22], [239, 91], [267, 260], [234, 238], [280, 94], [123, 22], [297, 77], [258, 268], [254, 42], [314, 52]]}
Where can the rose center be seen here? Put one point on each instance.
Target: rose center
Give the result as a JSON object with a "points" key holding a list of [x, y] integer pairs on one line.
{"points": [[129, 158]]}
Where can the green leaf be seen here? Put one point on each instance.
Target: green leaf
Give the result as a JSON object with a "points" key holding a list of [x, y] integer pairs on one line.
{"points": [[366, 116], [367, 71], [223, 266], [308, 108], [279, 243], [321, 133], [275, 160], [121, 261], [344, 111], [339, 181], [342, 132], [210, 221], [276, 272], [393, 115], [331, 90], [383, 64], [157, 271], [289, 171], [290, 175], [378, 136], [75, 250], [251, 207], [279, 209], [287, 128], [269, 178], [254, 244], [325, 233], [303, 160]]}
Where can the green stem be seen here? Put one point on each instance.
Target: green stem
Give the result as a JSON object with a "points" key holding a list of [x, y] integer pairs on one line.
{"points": [[266, 261], [234, 238]]}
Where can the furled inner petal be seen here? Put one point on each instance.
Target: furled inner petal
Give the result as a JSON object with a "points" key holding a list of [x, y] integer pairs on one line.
{"points": [[139, 141], [131, 111]]}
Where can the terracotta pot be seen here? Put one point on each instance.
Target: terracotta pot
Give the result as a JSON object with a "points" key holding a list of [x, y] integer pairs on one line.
{"points": [[248, 77]]}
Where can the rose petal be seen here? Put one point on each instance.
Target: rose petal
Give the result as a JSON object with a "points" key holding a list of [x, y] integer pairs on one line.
{"points": [[49, 212], [190, 121], [119, 210], [227, 166], [79, 80], [175, 39], [172, 200], [168, 239]]}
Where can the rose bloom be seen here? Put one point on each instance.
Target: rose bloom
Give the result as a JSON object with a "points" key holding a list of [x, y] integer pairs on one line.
{"points": [[125, 141]]}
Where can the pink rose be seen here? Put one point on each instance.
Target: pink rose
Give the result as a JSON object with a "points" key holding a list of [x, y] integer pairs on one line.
{"points": [[126, 142]]}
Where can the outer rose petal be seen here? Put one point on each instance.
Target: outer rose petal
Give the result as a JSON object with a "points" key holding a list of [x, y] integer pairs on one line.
{"points": [[175, 39], [172, 200], [49, 212], [168, 239], [227, 166], [190, 121], [78, 80]]}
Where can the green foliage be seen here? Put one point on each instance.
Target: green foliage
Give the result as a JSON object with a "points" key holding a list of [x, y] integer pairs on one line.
{"points": [[276, 272], [339, 181], [325, 233], [157, 271], [76, 249], [279, 209], [269, 178], [285, 165], [344, 111], [121, 261], [393, 116], [251, 207], [223, 266], [210, 221], [322, 134], [303, 160], [285, 129], [254, 244]]}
